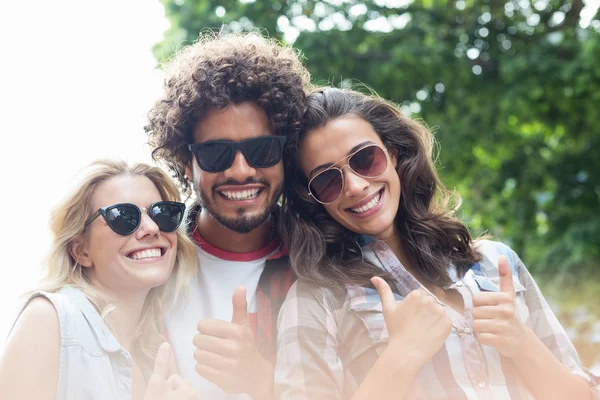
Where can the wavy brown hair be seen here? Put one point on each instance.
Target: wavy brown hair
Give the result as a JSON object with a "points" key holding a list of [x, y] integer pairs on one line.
{"points": [[324, 251], [218, 70]]}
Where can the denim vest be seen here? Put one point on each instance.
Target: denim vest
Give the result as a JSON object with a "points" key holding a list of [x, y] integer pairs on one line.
{"points": [[93, 365]]}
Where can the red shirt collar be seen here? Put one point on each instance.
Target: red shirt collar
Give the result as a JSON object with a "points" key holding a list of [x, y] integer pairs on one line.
{"points": [[275, 244]]}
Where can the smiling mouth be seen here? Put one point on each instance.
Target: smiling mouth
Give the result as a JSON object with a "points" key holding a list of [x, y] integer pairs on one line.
{"points": [[366, 207], [146, 254], [237, 195]]}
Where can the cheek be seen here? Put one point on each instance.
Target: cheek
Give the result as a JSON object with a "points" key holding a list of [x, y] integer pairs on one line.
{"points": [[275, 174], [198, 176], [334, 212], [172, 238], [272, 176], [203, 181], [394, 179], [105, 246]]}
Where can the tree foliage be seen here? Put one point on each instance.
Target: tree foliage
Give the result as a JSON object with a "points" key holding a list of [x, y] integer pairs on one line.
{"points": [[510, 88]]}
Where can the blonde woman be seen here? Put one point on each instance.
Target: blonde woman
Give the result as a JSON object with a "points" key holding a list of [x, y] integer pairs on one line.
{"points": [[93, 328]]}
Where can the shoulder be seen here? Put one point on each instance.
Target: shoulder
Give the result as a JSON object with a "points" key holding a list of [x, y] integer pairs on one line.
{"points": [[64, 310], [486, 247], [40, 312], [309, 290], [307, 298], [491, 251], [38, 323], [308, 310], [303, 291], [33, 347]]}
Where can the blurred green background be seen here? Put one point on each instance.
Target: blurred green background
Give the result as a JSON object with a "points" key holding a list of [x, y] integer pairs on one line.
{"points": [[511, 90]]}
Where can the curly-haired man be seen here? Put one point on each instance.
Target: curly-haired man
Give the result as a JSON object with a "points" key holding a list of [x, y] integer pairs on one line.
{"points": [[220, 127]]}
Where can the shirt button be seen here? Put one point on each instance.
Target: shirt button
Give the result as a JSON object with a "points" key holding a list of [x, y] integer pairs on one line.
{"points": [[481, 384], [459, 283], [467, 331]]}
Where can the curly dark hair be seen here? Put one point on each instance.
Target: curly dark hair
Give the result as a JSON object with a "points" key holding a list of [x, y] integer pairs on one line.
{"points": [[218, 70], [325, 252]]}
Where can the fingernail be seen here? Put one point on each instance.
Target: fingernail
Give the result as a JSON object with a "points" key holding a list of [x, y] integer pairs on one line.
{"points": [[375, 281]]}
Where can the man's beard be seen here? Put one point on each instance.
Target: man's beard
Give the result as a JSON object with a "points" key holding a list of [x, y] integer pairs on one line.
{"points": [[242, 223]]}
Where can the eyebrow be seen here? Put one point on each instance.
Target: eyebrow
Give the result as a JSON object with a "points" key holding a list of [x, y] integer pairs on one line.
{"points": [[352, 150]]}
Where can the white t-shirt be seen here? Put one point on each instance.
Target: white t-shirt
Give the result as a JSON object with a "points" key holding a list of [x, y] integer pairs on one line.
{"points": [[219, 273]]}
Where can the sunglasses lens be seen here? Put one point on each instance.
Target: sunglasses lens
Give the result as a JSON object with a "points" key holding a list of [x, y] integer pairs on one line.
{"points": [[327, 186], [262, 152], [214, 156], [369, 162], [123, 219], [167, 215]]}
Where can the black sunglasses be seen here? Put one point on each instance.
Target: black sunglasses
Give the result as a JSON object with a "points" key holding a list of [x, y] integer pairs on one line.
{"points": [[125, 218], [218, 155]]}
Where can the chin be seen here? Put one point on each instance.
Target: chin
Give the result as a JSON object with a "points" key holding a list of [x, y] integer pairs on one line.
{"points": [[379, 231], [154, 283], [153, 278]]}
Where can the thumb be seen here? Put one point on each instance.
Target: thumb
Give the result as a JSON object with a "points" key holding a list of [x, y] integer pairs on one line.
{"points": [[506, 277], [156, 383], [240, 306], [388, 302], [172, 365]]}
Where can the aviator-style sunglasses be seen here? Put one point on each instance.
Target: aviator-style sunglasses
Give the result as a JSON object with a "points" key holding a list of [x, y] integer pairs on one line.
{"points": [[218, 155], [125, 218], [327, 186]]}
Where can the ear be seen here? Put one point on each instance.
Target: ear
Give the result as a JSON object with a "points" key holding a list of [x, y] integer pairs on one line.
{"points": [[79, 252]]}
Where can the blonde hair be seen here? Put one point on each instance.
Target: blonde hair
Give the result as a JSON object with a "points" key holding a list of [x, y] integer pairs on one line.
{"points": [[67, 224]]}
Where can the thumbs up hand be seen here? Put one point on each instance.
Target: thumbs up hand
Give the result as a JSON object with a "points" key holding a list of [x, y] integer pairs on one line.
{"points": [[164, 383], [226, 353], [494, 315], [417, 326]]}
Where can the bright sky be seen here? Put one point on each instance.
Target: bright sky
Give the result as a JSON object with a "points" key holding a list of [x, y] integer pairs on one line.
{"points": [[77, 78]]}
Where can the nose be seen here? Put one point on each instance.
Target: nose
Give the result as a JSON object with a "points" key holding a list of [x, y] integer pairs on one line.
{"points": [[147, 227], [354, 185], [240, 170]]}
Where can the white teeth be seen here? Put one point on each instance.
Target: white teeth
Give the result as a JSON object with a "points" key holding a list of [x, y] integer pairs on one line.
{"points": [[367, 206], [148, 253], [241, 194]]}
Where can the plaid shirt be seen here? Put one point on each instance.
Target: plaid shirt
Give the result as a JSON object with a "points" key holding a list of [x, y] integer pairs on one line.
{"points": [[329, 339], [275, 281], [273, 285]]}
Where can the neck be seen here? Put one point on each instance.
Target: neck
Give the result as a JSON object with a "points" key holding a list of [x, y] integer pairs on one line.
{"points": [[225, 239], [126, 315], [393, 240], [395, 243]]}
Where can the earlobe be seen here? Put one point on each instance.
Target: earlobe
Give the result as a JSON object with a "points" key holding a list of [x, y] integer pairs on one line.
{"points": [[79, 253], [188, 173]]}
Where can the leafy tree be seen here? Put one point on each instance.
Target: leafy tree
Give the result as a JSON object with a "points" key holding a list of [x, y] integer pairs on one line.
{"points": [[510, 88]]}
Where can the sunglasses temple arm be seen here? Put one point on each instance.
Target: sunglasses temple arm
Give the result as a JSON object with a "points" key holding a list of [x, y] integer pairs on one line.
{"points": [[92, 218]]}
